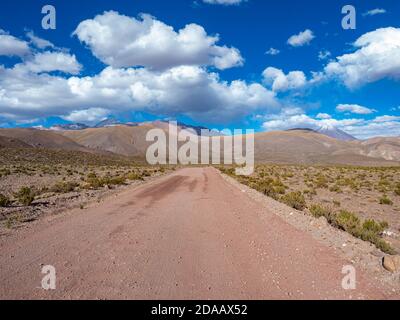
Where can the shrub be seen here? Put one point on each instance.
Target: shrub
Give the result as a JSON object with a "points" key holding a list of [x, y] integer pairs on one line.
{"points": [[375, 227], [4, 201], [383, 246], [25, 196], [134, 176], [265, 187], [146, 173], [321, 182], [295, 200], [111, 181], [385, 200], [371, 231], [348, 221], [13, 220], [161, 169], [228, 171], [318, 211], [64, 187], [280, 189], [93, 181], [397, 189], [335, 188]]}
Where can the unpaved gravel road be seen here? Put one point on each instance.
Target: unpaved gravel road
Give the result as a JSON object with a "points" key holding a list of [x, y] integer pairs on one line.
{"points": [[188, 235]]}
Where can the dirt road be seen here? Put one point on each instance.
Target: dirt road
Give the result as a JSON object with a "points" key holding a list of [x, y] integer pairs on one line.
{"points": [[189, 235]]}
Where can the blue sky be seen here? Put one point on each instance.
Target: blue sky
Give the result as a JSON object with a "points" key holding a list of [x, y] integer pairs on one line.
{"points": [[218, 65]]}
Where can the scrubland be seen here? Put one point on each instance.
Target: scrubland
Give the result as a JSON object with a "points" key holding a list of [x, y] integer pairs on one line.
{"points": [[364, 201], [38, 181]]}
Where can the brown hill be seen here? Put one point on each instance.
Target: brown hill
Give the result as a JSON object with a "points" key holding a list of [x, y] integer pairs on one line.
{"points": [[296, 146], [41, 139], [124, 140], [387, 148], [308, 147], [7, 142]]}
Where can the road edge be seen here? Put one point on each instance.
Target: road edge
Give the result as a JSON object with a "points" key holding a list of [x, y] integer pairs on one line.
{"points": [[361, 254]]}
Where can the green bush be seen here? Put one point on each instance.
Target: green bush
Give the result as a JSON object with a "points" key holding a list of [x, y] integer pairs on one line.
{"points": [[111, 181], [25, 196], [295, 200], [347, 221], [375, 227], [93, 182], [146, 173], [335, 188], [64, 187], [4, 201], [321, 182], [397, 189], [134, 176], [371, 231], [383, 246], [280, 189], [385, 201], [318, 211], [265, 187]]}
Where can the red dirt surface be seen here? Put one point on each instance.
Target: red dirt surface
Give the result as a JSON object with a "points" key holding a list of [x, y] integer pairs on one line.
{"points": [[188, 235]]}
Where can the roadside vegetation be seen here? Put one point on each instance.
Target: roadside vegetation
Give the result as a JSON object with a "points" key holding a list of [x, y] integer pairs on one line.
{"points": [[33, 181], [363, 201]]}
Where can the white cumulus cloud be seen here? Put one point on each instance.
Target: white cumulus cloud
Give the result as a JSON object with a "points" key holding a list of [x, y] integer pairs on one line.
{"points": [[323, 55], [279, 81], [188, 90], [323, 116], [12, 46], [88, 115], [377, 57], [39, 42], [301, 39], [359, 128], [51, 61], [374, 12], [354, 108], [122, 41], [272, 51]]}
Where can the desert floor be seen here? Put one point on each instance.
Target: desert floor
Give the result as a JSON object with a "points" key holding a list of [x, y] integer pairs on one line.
{"points": [[188, 235]]}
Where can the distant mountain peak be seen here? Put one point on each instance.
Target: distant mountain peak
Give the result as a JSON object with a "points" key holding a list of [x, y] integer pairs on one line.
{"points": [[302, 129], [327, 126], [330, 131], [108, 123], [69, 126], [335, 133]]}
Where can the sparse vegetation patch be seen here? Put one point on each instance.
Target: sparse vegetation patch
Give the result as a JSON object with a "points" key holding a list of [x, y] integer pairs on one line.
{"points": [[358, 200]]}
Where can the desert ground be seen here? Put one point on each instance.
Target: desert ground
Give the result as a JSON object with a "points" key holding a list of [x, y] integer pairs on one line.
{"points": [[34, 182], [188, 235], [358, 194]]}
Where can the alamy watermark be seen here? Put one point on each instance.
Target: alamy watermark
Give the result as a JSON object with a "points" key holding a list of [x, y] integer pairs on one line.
{"points": [[349, 21], [49, 280], [349, 281], [187, 147], [49, 20]]}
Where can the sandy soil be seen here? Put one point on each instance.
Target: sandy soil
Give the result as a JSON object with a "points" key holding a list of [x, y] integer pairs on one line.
{"points": [[188, 235]]}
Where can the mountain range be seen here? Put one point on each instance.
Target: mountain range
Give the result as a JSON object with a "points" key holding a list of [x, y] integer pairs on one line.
{"points": [[297, 146]]}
